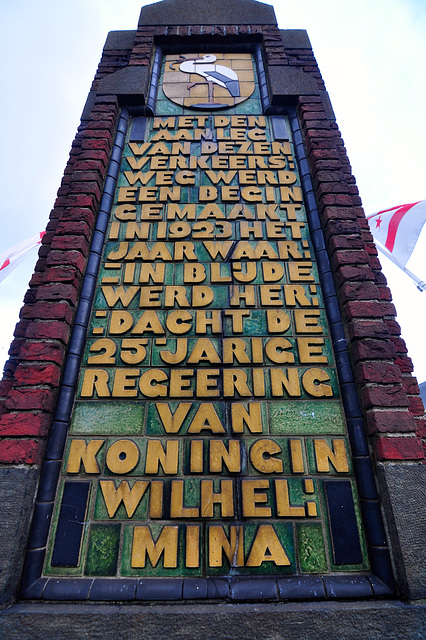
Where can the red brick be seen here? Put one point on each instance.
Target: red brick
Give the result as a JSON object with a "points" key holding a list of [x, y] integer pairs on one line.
{"points": [[421, 427], [398, 448], [30, 399], [385, 421], [400, 345], [73, 258], [410, 385], [48, 331], [24, 424], [348, 242], [5, 387], [351, 273], [368, 329], [388, 396], [65, 274], [71, 227], [366, 309], [43, 351], [75, 200], [404, 363], [21, 451], [37, 374], [373, 350], [358, 291], [48, 311], [416, 406], [379, 372], [343, 258], [59, 291]]}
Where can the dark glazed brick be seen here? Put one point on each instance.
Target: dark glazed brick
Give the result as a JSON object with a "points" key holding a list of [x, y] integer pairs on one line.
{"points": [[56, 444], [40, 525], [33, 591], [218, 588], [365, 478], [160, 589], [77, 340], [65, 403], [253, 589], [301, 588], [103, 589], [373, 524], [347, 587], [33, 567], [67, 589], [380, 589], [71, 370], [357, 437], [195, 588], [48, 480]]}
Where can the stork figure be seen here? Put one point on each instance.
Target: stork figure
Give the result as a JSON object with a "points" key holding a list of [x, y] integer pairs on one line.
{"points": [[213, 73]]}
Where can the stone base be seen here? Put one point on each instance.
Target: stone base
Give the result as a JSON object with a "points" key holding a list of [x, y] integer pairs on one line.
{"points": [[300, 621]]}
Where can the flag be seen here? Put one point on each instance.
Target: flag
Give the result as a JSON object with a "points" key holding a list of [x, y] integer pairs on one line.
{"points": [[10, 259], [397, 230]]}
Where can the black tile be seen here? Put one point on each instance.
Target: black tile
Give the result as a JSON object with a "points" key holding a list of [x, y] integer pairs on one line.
{"points": [[33, 567], [98, 242], [365, 478], [110, 184], [348, 587], [160, 589], [342, 522], [254, 589], [357, 437], [218, 588], [64, 405], [33, 591], [138, 130], [67, 589], [49, 480], [77, 341], [301, 588], [72, 366], [344, 367], [122, 589], [93, 263], [40, 525], [380, 588], [69, 530], [373, 522], [83, 312], [88, 289], [56, 442], [381, 565], [350, 400], [195, 588]]}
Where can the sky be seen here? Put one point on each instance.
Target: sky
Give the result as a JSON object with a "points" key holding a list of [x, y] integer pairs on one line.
{"points": [[372, 55]]}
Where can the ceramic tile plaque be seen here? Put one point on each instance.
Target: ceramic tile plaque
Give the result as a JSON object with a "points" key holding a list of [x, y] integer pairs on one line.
{"points": [[208, 436]]}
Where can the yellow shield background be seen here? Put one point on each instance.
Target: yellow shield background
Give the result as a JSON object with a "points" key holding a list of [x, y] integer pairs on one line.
{"points": [[201, 89]]}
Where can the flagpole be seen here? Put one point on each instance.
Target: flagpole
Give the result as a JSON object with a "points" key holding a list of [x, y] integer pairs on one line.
{"points": [[420, 284]]}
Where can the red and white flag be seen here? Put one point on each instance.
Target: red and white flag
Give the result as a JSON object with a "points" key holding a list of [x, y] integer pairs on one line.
{"points": [[10, 259], [397, 230]]}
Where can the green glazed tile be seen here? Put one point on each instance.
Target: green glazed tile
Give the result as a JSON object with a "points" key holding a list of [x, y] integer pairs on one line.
{"points": [[311, 548], [103, 548], [306, 417], [107, 418]]}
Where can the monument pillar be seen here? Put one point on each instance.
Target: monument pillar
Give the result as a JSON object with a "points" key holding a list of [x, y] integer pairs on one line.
{"points": [[209, 418]]}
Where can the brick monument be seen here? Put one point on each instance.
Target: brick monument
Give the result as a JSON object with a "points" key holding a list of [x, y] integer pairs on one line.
{"points": [[209, 423]]}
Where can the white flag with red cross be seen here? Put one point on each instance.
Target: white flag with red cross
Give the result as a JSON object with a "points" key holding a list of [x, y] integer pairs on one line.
{"points": [[10, 259]]}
